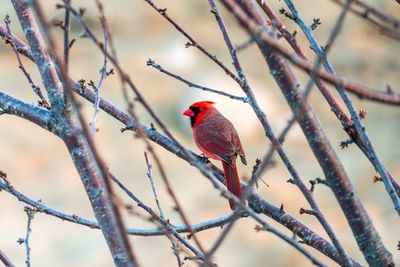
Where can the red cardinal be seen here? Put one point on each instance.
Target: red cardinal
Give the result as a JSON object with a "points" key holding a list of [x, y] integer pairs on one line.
{"points": [[217, 139]]}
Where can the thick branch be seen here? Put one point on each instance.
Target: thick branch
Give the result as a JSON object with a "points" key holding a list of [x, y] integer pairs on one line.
{"points": [[41, 56], [5, 260], [31, 112]]}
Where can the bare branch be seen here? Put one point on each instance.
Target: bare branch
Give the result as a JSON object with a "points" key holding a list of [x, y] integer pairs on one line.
{"points": [[386, 23], [227, 39], [33, 113], [149, 174], [67, 42], [30, 214], [5, 260], [43, 102], [193, 42], [348, 125], [153, 64], [54, 91], [22, 48], [103, 75]]}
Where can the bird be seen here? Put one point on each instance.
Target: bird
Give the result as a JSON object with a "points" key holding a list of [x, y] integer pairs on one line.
{"points": [[218, 139]]}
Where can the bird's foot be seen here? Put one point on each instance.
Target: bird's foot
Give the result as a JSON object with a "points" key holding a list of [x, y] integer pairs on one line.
{"points": [[204, 158]]}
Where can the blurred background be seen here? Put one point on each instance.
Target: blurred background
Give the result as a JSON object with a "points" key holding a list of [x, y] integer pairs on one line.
{"points": [[38, 164]]}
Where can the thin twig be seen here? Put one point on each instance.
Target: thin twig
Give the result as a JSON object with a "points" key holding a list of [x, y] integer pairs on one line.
{"points": [[228, 42], [103, 75], [153, 64], [30, 214], [178, 206], [387, 25], [36, 89], [192, 41], [67, 28], [221, 237], [149, 174], [161, 218]]}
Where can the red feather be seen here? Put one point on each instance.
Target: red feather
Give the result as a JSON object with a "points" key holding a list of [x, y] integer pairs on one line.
{"points": [[232, 181]]}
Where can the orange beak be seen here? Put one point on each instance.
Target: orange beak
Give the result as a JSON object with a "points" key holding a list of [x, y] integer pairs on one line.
{"points": [[188, 113]]}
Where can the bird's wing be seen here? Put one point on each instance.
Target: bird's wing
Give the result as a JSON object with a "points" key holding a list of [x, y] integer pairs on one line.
{"points": [[218, 137]]}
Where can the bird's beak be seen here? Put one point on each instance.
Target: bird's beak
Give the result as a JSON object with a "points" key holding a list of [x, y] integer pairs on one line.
{"points": [[188, 113]]}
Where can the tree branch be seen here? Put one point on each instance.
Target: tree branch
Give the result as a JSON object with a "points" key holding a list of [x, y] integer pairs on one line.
{"points": [[153, 64], [5, 260], [14, 106], [36, 89], [386, 24]]}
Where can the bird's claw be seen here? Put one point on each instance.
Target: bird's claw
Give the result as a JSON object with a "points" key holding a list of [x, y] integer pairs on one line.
{"points": [[204, 158]]}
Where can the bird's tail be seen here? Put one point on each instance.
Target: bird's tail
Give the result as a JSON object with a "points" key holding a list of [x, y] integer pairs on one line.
{"points": [[232, 181]]}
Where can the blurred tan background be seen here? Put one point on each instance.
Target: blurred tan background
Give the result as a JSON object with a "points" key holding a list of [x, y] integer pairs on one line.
{"points": [[37, 163]]}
